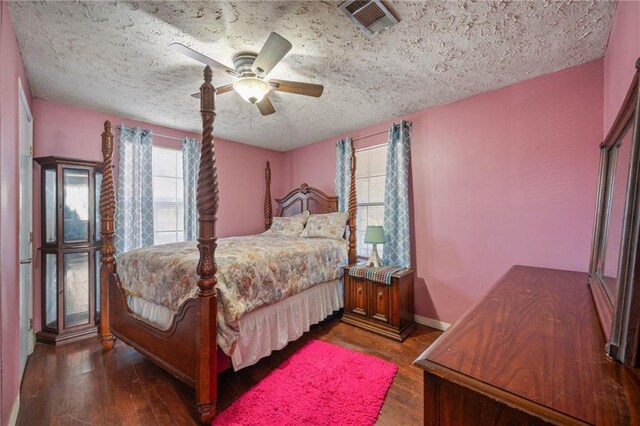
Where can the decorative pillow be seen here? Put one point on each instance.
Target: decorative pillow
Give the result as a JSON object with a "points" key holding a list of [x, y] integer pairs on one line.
{"points": [[330, 225], [290, 226]]}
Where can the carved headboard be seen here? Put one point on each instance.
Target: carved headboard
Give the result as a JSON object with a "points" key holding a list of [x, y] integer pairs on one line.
{"points": [[306, 198]]}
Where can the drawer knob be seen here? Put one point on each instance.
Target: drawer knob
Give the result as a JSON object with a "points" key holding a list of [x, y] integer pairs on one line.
{"points": [[360, 290], [380, 295]]}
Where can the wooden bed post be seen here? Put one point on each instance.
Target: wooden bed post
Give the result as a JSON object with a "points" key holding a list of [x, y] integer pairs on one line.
{"points": [[353, 256], [267, 197], [207, 204], [108, 249]]}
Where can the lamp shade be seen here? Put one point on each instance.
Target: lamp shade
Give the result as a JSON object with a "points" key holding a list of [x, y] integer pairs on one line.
{"points": [[374, 235], [251, 89]]}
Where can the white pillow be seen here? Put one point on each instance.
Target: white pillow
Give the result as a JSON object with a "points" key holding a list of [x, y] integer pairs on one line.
{"points": [[290, 226], [331, 225]]}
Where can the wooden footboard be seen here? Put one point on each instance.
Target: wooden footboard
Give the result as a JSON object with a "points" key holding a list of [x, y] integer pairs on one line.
{"points": [[172, 349]]}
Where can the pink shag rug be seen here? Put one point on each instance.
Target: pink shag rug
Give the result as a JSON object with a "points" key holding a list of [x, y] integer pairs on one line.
{"points": [[321, 384]]}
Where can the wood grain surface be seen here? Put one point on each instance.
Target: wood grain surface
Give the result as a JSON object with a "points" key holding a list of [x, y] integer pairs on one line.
{"points": [[534, 341]]}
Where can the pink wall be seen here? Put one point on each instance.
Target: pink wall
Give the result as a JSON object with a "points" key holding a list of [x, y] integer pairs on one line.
{"points": [[68, 131], [11, 69], [620, 58], [502, 178]]}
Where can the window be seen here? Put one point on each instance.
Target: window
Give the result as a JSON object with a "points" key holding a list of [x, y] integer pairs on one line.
{"points": [[370, 176], [168, 207]]}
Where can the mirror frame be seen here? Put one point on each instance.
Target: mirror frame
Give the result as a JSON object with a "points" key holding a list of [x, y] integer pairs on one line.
{"points": [[619, 318]]}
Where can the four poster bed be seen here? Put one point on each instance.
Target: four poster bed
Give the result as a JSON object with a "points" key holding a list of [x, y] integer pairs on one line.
{"points": [[186, 342]]}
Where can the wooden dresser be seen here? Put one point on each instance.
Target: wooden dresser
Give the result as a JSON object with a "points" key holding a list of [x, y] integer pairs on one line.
{"points": [[386, 309], [531, 351]]}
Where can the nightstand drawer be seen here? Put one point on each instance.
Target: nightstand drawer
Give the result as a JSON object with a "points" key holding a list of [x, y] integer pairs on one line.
{"points": [[358, 297], [380, 299]]}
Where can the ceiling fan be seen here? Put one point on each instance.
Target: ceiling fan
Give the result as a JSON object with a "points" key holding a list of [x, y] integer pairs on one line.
{"points": [[251, 70]]}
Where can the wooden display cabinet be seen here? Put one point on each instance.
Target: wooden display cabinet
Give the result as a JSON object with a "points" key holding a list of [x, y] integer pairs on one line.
{"points": [[70, 251]]}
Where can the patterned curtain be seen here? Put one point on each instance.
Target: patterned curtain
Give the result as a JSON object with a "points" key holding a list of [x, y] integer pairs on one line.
{"points": [[397, 249], [134, 212], [343, 173], [190, 163]]}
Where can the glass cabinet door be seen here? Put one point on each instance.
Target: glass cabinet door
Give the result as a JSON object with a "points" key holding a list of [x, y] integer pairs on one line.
{"points": [[51, 291], [50, 209], [76, 205], [76, 289]]}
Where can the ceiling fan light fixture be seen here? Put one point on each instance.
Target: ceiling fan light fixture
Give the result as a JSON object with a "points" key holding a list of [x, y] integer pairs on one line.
{"points": [[251, 89]]}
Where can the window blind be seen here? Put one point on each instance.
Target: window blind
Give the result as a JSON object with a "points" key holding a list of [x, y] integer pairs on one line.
{"points": [[370, 177], [168, 200]]}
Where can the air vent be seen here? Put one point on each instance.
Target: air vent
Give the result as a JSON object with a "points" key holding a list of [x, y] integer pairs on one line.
{"points": [[370, 16]]}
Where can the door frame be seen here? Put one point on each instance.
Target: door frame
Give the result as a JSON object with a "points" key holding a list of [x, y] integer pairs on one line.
{"points": [[23, 108]]}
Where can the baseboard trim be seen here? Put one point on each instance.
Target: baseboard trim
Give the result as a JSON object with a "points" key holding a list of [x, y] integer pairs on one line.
{"points": [[14, 411], [430, 322]]}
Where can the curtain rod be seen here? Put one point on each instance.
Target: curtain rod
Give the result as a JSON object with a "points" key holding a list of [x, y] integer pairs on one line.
{"points": [[154, 134], [371, 147], [372, 134], [166, 137], [377, 133]]}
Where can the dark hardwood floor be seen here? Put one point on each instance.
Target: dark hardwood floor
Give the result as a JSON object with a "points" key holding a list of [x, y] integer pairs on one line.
{"points": [[79, 384]]}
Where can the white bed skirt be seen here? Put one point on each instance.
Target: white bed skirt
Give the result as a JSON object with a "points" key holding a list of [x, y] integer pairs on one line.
{"points": [[266, 329]]}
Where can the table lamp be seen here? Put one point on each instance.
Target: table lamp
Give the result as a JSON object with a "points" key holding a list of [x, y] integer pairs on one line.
{"points": [[374, 235]]}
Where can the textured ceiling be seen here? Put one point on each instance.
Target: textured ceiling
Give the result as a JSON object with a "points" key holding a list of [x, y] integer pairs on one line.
{"points": [[114, 57]]}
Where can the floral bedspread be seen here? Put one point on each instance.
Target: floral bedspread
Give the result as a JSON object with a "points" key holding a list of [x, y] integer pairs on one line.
{"points": [[253, 271]]}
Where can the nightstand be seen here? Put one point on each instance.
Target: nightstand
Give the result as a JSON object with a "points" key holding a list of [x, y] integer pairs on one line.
{"points": [[385, 309]]}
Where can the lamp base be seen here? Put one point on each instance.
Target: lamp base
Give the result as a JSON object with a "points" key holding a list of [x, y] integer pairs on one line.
{"points": [[374, 258]]}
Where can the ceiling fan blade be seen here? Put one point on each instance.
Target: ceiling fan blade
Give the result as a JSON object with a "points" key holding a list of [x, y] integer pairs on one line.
{"points": [[224, 89], [305, 89], [219, 90], [265, 106], [189, 52], [272, 52]]}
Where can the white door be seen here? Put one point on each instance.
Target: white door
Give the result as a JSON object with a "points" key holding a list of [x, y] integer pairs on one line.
{"points": [[25, 123]]}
